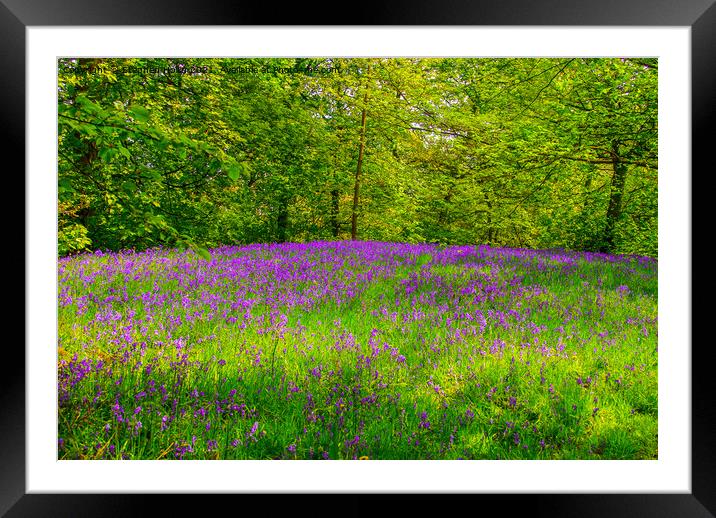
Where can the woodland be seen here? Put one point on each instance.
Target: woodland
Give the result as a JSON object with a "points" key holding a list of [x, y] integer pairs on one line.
{"points": [[540, 153], [357, 258]]}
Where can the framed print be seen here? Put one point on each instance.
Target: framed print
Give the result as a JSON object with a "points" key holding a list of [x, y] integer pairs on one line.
{"points": [[223, 177]]}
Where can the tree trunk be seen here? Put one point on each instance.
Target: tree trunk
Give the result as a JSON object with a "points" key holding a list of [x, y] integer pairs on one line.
{"points": [[359, 167], [282, 220], [490, 236], [614, 211], [335, 226]]}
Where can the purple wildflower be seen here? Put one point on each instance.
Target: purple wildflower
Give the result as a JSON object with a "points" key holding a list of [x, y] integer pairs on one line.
{"points": [[352, 442]]}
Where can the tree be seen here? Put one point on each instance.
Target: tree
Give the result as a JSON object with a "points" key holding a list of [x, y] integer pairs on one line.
{"points": [[508, 152]]}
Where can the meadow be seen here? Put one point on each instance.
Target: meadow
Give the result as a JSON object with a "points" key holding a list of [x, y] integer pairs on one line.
{"points": [[357, 350]]}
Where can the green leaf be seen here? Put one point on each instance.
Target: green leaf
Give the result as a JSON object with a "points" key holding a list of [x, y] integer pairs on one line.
{"points": [[82, 100], [64, 185], [157, 220], [124, 152], [139, 112], [129, 187], [234, 171], [152, 174], [203, 252], [107, 154]]}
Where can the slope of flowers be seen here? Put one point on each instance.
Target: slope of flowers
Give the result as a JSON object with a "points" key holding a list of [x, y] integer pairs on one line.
{"points": [[343, 350]]}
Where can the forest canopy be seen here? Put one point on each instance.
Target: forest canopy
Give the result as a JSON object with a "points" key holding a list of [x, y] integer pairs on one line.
{"points": [[515, 152]]}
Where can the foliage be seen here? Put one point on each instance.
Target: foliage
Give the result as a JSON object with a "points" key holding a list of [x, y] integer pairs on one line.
{"points": [[508, 152]]}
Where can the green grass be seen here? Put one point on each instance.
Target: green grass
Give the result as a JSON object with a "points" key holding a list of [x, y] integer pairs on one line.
{"points": [[570, 374]]}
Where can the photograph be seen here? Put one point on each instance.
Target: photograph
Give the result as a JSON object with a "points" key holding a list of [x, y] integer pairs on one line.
{"points": [[444, 250], [357, 258]]}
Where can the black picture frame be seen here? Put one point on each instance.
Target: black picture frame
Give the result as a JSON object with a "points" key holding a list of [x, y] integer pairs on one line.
{"points": [[699, 15]]}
